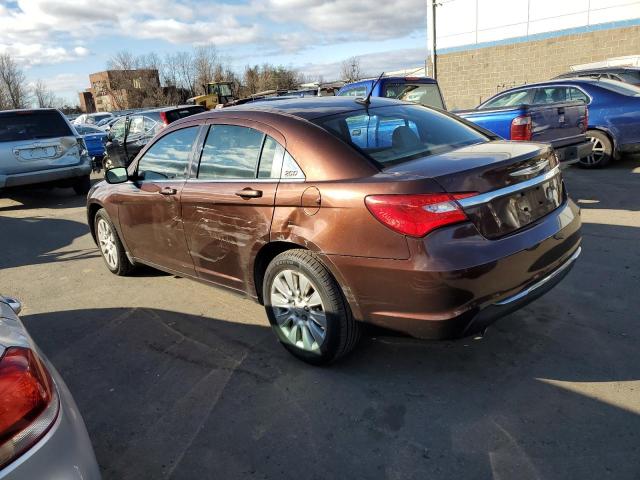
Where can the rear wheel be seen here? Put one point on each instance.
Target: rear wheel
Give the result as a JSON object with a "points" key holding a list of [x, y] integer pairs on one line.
{"points": [[111, 247], [602, 152], [307, 310], [82, 185]]}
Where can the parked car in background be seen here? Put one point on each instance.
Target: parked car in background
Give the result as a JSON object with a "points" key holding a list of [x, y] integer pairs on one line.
{"points": [[614, 114], [91, 118], [40, 146], [42, 434], [622, 74], [552, 114], [95, 140], [435, 229], [422, 90], [129, 134]]}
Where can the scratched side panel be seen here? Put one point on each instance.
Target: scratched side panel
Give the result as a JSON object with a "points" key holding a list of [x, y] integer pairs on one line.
{"points": [[224, 232], [342, 224]]}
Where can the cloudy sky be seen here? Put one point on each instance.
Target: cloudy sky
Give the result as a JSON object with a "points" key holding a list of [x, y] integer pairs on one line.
{"points": [[62, 41]]}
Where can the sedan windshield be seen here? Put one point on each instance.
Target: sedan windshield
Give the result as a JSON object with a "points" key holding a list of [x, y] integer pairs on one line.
{"points": [[396, 134]]}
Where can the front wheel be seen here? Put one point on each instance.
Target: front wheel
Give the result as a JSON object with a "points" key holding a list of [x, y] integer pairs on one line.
{"points": [[307, 310], [111, 247], [602, 152]]}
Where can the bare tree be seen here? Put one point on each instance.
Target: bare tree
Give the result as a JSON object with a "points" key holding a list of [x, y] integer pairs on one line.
{"points": [[14, 92], [207, 65], [350, 70], [264, 77], [44, 97], [122, 60]]}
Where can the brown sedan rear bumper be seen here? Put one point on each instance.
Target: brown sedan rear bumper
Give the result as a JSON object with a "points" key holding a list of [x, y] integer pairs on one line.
{"points": [[457, 282]]}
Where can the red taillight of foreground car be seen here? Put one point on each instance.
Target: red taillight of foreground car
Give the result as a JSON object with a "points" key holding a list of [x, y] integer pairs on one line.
{"points": [[164, 119], [28, 402], [585, 121], [521, 128], [417, 215]]}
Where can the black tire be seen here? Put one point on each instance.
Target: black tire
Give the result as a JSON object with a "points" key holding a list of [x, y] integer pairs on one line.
{"points": [[605, 150], [118, 263], [342, 331], [82, 185]]}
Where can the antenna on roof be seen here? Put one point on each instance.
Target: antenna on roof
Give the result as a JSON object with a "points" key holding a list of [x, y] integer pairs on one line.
{"points": [[367, 100]]}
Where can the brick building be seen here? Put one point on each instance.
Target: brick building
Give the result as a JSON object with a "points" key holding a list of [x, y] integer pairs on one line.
{"points": [[113, 90], [87, 105]]}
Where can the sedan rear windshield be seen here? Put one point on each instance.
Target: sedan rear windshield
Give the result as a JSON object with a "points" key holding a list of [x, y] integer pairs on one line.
{"points": [[621, 88], [33, 125], [396, 134], [427, 94], [173, 115]]}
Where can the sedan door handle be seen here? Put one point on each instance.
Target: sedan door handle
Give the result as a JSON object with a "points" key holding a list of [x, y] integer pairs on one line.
{"points": [[168, 191], [249, 193]]}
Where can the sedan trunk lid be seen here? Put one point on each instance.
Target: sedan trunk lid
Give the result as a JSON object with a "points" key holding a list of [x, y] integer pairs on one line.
{"points": [[513, 184]]}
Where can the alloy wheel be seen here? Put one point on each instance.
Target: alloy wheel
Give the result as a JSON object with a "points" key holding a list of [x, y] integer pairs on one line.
{"points": [[107, 241], [597, 152], [298, 310]]}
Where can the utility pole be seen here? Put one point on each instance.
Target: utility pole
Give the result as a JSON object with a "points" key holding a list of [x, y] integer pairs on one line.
{"points": [[431, 65]]}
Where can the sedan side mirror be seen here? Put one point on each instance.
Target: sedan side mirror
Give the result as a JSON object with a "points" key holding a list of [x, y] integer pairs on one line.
{"points": [[116, 175]]}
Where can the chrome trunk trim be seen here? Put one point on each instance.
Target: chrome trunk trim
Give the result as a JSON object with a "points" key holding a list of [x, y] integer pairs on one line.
{"points": [[503, 192]]}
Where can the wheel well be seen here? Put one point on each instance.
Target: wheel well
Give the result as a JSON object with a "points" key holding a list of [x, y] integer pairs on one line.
{"points": [[608, 135], [263, 259], [91, 215]]}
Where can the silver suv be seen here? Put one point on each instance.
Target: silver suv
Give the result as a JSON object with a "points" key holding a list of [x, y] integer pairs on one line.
{"points": [[41, 146]]}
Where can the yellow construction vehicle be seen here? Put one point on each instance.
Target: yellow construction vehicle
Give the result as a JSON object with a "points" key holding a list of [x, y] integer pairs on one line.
{"points": [[217, 95]]}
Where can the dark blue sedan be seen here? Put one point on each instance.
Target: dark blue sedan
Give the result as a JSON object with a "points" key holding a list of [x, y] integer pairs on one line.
{"points": [[614, 112], [95, 140]]}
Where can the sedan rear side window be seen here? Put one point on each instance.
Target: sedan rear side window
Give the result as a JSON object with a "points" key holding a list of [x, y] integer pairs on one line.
{"points": [[548, 95], [167, 159], [399, 133]]}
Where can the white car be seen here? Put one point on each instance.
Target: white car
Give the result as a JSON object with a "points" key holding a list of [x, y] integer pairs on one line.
{"points": [[91, 118], [42, 434]]}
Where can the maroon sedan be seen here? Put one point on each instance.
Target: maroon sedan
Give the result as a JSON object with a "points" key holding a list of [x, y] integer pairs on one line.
{"points": [[336, 211]]}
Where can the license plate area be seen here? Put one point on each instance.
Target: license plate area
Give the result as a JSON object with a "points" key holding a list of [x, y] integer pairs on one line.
{"points": [[504, 215], [36, 153]]}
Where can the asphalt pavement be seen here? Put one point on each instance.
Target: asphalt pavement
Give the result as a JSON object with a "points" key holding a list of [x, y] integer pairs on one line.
{"points": [[176, 379]]}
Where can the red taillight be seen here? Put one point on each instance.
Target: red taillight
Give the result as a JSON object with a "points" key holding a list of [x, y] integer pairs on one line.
{"points": [[28, 403], [164, 119], [521, 128], [417, 215]]}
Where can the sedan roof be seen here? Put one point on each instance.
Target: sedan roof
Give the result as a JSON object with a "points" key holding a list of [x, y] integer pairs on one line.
{"points": [[310, 108]]}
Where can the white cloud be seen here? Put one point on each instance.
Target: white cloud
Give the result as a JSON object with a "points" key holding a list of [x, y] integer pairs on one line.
{"points": [[224, 31], [81, 51], [351, 19], [371, 65], [30, 54]]}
